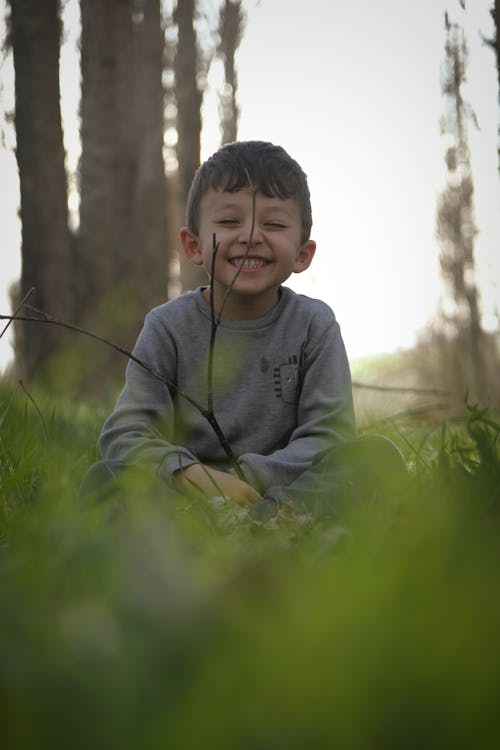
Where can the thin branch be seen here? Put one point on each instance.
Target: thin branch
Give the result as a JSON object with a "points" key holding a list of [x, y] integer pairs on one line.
{"points": [[46, 318], [417, 413], [21, 304], [400, 389], [249, 245], [209, 414], [214, 324], [216, 319]]}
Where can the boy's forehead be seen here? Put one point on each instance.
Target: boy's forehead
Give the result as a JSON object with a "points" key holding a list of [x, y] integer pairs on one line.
{"points": [[217, 198]]}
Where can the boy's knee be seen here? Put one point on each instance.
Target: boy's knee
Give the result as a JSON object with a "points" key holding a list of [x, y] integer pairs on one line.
{"points": [[368, 467], [380, 455], [368, 464]]}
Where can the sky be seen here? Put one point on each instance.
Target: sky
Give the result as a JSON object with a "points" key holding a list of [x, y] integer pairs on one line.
{"points": [[352, 91]]}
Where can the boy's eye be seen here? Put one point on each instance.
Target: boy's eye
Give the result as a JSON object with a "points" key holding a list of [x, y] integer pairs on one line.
{"points": [[275, 225], [227, 221]]}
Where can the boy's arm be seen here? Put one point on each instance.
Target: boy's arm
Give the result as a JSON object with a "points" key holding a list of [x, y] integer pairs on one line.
{"points": [[140, 428], [325, 412]]}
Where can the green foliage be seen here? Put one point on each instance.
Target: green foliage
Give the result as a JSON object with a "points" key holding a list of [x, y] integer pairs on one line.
{"points": [[136, 619]]}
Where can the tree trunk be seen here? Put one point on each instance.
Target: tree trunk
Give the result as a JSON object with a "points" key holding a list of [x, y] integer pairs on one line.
{"points": [[456, 228], [151, 241], [46, 239], [231, 22], [189, 99], [495, 13], [108, 161], [122, 244]]}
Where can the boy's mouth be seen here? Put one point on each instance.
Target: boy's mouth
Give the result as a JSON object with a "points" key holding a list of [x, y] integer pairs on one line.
{"points": [[250, 263]]}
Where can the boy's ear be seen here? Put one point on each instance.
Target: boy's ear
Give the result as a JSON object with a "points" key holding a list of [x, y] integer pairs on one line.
{"points": [[304, 256], [191, 246]]}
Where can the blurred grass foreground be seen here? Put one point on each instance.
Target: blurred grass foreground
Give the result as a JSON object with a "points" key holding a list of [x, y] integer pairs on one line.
{"points": [[136, 622]]}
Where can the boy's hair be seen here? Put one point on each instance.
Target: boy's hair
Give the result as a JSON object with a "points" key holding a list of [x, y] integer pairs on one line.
{"points": [[244, 163]]}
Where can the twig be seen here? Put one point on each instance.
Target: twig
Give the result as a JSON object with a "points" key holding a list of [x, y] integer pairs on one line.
{"points": [[400, 389], [421, 411], [249, 245], [46, 318], [215, 319], [209, 413], [214, 324], [21, 304]]}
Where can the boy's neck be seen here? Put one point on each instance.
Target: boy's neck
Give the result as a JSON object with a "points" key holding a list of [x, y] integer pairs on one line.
{"points": [[243, 307]]}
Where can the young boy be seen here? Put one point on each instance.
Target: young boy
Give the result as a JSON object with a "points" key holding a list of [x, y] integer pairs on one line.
{"points": [[281, 381]]}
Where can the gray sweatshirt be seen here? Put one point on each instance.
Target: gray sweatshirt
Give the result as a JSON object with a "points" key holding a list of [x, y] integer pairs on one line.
{"points": [[281, 391]]}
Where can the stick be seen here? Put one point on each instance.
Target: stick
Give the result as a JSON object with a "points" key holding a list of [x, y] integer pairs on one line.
{"points": [[45, 318]]}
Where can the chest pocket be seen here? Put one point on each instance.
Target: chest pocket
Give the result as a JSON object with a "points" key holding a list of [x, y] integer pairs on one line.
{"points": [[286, 382]]}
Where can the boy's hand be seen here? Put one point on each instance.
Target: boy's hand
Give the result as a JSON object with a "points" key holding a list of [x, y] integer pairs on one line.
{"points": [[197, 477]]}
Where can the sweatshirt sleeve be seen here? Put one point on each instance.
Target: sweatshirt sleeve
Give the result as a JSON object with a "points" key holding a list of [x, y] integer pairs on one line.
{"points": [[141, 426], [325, 412]]}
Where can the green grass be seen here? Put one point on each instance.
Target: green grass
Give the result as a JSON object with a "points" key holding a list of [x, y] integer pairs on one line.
{"points": [[140, 622]]}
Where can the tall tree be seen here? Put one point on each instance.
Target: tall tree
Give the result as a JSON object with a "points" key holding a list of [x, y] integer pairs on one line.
{"points": [[495, 44], [231, 25], [455, 214], [191, 62], [109, 150], [122, 240], [150, 198], [46, 241], [189, 98]]}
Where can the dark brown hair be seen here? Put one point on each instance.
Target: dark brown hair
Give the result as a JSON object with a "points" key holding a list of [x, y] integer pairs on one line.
{"points": [[269, 168]]}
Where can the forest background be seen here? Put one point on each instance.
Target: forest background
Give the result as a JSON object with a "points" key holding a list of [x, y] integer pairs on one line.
{"points": [[132, 617], [380, 164]]}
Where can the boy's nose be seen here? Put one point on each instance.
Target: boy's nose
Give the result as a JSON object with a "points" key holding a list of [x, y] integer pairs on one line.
{"points": [[249, 234]]}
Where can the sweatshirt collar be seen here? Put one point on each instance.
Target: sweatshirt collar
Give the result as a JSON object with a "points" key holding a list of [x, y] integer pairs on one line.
{"points": [[264, 320]]}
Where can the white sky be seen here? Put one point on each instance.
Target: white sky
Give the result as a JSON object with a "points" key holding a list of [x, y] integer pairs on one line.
{"points": [[352, 91]]}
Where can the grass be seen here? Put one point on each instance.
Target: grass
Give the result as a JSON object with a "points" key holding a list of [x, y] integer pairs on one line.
{"points": [[138, 621]]}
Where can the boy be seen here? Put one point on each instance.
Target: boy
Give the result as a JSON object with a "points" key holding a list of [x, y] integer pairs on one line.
{"points": [[281, 382]]}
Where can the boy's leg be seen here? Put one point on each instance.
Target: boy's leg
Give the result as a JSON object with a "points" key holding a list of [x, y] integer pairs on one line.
{"points": [[102, 475], [346, 474], [111, 480]]}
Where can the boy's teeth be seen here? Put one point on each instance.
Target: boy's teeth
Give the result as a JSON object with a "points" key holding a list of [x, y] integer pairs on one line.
{"points": [[248, 263]]}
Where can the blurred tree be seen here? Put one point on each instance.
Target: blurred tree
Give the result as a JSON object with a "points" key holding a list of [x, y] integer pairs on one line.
{"points": [[190, 62], [117, 266], [151, 250], [189, 78], [188, 93], [122, 241], [455, 217], [231, 25], [46, 251], [109, 150], [495, 44]]}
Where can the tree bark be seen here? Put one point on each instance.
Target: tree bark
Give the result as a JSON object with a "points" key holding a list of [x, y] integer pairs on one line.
{"points": [[122, 242], [46, 240], [495, 13], [150, 200], [231, 23], [108, 161], [456, 228], [189, 100]]}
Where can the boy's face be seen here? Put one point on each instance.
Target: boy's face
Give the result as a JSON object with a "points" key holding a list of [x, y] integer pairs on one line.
{"points": [[276, 250]]}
